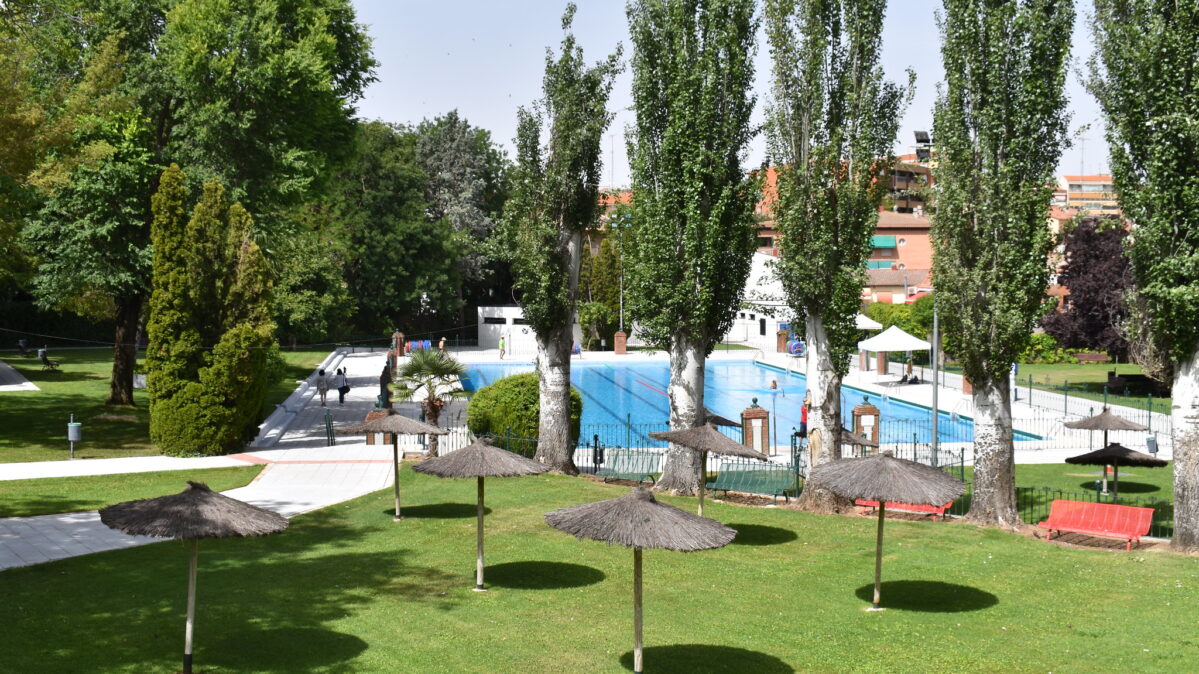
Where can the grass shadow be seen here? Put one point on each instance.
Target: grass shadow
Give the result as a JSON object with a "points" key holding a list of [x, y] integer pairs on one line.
{"points": [[758, 534], [31, 507], [275, 650], [704, 658], [1125, 487], [930, 596], [442, 511], [535, 575]]}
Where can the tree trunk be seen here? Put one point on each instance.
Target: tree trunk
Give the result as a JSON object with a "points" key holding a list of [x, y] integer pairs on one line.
{"points": [[433, 407], [124, 358], [993, 502], [1185, 415], [682, 471], [824, 418], [554, 447]]}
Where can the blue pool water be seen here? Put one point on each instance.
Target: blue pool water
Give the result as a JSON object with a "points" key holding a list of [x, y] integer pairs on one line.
{"points": [[634, 395]]}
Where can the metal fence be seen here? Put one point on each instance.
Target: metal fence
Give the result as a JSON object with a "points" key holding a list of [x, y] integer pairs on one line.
{"points": [[1033, 503]]}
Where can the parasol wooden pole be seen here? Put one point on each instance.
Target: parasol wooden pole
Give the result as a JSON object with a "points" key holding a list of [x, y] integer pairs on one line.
{"points": [[1115, 480], [395, 459], [703, 478], [637, 668], [878, 555], [479, 535], [191, 608]]}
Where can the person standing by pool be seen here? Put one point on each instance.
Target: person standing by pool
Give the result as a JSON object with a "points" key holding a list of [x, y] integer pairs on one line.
{"points": [[501, 348], [803, 417]]}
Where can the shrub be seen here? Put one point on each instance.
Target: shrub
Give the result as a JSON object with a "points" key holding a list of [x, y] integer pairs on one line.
{"points": [[512, 405], [1043, 348]]}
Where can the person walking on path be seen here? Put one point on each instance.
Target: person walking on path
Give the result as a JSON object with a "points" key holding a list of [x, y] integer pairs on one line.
{"points": [[501, 348], [322, 385], [343, 385]]}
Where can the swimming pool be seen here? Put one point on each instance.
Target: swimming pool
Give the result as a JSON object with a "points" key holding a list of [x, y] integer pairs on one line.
{"points": [[633, 396]]}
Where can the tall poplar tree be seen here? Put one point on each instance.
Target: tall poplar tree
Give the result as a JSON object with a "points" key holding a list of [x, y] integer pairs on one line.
{"points": [[554, 198], [1000, 125], [832, 124], [1145, 76], [693, 201]]}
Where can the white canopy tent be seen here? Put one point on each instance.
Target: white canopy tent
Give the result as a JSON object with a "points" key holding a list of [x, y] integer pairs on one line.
{"points": [[866, 323], [893, 339]]}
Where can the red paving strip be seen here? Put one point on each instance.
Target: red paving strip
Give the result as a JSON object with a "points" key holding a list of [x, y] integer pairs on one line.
{"points": [[259, 460]]}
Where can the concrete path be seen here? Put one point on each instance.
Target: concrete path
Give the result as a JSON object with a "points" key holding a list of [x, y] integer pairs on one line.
{"points": [[302, 474], [11, 380]]}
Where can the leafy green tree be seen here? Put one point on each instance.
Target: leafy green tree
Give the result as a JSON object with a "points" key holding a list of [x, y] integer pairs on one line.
{"points": [[312, 301], [1144, 75], [831, 127], [399, 263], [693, 205], [429, 374], [1000, 125], [555, 189], [599, 291], [255, 94], [210, 328]]}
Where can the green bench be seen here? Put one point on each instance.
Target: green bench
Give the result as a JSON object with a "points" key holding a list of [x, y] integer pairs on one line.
{"points": [[767, 479], [630, 464]]}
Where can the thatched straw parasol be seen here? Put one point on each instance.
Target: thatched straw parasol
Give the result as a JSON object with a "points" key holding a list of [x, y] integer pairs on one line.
{"points": [[396, 425], [717, 420], [1114, 455], [1105, 421], [194, 513], [481, 459], [638, 521], [705, 439], [885, 478]]}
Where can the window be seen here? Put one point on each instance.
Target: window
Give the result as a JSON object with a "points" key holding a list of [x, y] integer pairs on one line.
{"points": [[753, 317], [902, 266], [902, 242], [495, 320], [519, 321], [741, 315], [765, 242], [762, 327]]}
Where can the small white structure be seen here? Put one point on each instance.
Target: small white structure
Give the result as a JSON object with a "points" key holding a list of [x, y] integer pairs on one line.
{"points": [[509, 322]]}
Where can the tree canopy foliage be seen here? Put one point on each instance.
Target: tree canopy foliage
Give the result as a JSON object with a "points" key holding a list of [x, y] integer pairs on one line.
{"points": [[1097, 274]]}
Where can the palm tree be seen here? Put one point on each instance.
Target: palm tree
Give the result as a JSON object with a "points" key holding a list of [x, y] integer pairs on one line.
{"points": [[432, 373]]}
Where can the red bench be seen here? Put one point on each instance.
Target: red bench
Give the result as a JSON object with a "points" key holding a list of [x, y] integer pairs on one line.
{"points": [[934, 510], [1098, 519]]}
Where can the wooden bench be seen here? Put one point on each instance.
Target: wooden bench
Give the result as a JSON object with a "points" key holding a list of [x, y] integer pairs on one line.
{"points": [[934, 510], [767, 479], [630, 464], [1092, 357], [1098, 519]]}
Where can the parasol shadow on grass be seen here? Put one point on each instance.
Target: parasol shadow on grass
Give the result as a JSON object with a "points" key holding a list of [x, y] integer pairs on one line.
{"points": [[539, 575], [760, 534], [885, 478], [480, 460], [690, 658], [396, 425], [274, 650], [196, 512], [706, 440], [931, 596], [1125, 486], [443, 511], [637, 520]]}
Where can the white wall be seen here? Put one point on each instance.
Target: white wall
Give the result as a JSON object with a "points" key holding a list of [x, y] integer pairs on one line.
{"points": [[520, 339]]}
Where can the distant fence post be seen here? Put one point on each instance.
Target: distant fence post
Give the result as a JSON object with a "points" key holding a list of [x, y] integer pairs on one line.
{"points": [[1066, 398]]}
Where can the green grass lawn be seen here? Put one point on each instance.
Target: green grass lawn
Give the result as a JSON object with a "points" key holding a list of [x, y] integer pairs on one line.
{"points": [[1151, 483], [347, 590], [22, 498], [1085, 380], [35, 422]]}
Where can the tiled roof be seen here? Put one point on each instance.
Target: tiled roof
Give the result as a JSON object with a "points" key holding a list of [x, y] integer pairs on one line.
{"points": [[892, 219]]}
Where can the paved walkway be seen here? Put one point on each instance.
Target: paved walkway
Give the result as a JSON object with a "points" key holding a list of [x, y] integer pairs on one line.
{"points": [[11, 380], [302, 474]]}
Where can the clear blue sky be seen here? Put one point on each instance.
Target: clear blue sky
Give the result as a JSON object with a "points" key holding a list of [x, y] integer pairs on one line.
{"points": [[486, 58]]}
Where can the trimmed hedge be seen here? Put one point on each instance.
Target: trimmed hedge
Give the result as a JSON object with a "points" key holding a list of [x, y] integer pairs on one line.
{"points": [[512, 404]]}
